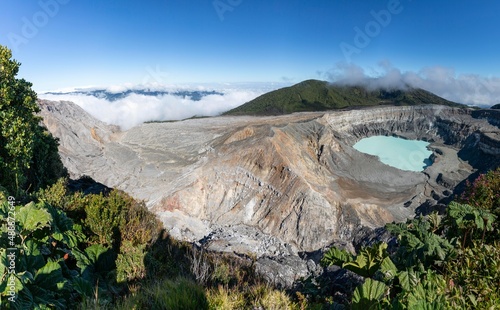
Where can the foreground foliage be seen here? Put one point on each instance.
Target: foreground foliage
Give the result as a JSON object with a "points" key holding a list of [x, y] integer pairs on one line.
{"points": [[61, 261], [112, 254], [450, 262]]}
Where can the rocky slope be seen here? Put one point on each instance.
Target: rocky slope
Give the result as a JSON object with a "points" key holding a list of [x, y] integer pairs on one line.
{"points": [[276, 186]]}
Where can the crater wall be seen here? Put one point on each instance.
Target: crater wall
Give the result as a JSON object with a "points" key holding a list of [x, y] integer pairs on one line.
{"points": [[277, 185]]}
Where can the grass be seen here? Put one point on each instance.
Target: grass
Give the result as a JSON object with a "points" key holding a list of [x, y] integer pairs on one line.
{"points": [[181, 277], [180, 293], [256, 297]]}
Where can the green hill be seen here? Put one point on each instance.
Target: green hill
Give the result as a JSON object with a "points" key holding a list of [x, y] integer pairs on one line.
{"points": [[314, 95]]}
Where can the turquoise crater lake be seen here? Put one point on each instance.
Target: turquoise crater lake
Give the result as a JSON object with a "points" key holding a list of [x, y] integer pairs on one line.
{"points": [[411, 155]]}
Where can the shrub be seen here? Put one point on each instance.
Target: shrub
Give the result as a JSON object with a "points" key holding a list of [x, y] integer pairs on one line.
{"points": [[484, 192], [141, 227], [29, 157], [475, 277], [105, 216], [130, 262], [55, 195], [46, 167]]}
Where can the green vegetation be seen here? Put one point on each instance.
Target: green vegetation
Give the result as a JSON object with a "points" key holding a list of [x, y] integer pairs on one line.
{"points": [[168, 294], [62, 261], [28, 153], [173, 121], [440, 262], [314, 95], [123, 261]]}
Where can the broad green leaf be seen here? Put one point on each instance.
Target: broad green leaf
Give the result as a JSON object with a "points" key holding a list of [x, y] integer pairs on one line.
{"points": [[50, 276], [359, 266], [16, 280], [336, 257], [368, 261], [368, 295], [83, 287], [94, 252], [381, 249], [24, 300], [440, 252], [417, 293], [408, 279], [32, 258], [82, 260], [95, 257], [60, 221], [429, 292], [426, 305], [26, 277], [488, 219], [46, 299], [70, 238], [31, 218], [388, 269]]}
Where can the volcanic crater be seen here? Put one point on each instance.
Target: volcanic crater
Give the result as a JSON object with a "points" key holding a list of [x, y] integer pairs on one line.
{"points": [[278, 185]]}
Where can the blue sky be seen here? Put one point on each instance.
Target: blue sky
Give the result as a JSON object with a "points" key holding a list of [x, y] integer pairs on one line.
{"points": [[69, 43]]}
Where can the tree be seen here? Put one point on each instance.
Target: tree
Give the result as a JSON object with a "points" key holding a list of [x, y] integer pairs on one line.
{"points": [[28, 153]]}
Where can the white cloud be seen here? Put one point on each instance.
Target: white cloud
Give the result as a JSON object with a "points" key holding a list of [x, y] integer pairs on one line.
{"points": [[136, 109], [445, 82]]}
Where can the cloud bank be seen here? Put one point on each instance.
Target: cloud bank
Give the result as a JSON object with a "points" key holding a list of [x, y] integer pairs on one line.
{"points": [[135, 108], [469, 89]]}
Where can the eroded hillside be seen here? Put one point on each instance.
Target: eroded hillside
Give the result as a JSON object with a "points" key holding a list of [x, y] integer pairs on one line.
{"points": [[276, 185]]}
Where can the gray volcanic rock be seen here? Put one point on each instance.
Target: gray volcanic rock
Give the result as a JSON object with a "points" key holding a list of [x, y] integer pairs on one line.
{"points": [[81, 136], [276, 186]]}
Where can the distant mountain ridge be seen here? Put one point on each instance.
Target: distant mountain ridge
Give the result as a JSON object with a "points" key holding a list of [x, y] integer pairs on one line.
{"points": [[315, 95], [195, 95]]}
